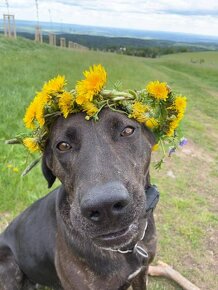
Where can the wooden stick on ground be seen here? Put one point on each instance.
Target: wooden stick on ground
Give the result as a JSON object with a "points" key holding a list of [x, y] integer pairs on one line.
{"points": [[163, 269]]}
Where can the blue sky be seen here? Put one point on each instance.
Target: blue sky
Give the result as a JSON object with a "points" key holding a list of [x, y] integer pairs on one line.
{"points": [[190, 16]]}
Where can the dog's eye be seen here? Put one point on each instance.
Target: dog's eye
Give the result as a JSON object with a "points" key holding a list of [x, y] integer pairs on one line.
{"points": [[127, 131], [63, 146]]}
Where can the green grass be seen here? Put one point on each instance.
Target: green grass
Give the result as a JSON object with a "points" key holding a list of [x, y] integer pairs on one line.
{"points": [[187, 213]]}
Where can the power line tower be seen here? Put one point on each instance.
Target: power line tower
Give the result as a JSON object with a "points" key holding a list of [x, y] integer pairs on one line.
{"points": [[62, 39], [51, 35], [38, 30], [38, 34], [9, 23]]}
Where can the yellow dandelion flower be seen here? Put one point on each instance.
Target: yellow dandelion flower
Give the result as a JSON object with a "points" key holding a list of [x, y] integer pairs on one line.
{"points": [[35, 111], [151, 123], [180, 116], [155, 147], [9, 165], [93, 83], [15, 169], [83, 95], [31, 144], [90, 109], [172, 127], [96, 77], [41, 100], [139, 107], [180, 104], [30, 115], [174, 124], [54, 85], [138, 112], [65, 102], [170, 132], [158, 90]]}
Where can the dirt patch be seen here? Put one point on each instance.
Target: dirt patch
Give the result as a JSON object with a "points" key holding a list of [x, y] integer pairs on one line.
{"points": [[213, 93], [193, 151], [212, 247], [191, 176]]}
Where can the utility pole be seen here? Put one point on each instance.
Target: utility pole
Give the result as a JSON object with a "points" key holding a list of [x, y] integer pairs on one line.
{"points": [[38, 30], [9, 23], [51, 35]]}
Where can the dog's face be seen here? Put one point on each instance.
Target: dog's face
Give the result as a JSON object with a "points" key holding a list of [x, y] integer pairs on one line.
{"points": [[103, 166]]}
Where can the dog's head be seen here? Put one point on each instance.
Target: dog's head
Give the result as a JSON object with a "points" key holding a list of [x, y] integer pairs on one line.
{"points": [[103, 167]]}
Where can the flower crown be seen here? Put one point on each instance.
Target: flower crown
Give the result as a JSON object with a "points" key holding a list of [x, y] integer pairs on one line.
{"points": [[155, 106]]}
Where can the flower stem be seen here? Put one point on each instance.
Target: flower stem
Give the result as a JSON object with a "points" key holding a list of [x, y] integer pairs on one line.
{"points": [[113, 94], [162, 147], [115, 110]]}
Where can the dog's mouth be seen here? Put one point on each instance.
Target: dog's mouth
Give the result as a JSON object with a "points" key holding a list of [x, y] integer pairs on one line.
{"points": [[117, 238], [113, 235]]}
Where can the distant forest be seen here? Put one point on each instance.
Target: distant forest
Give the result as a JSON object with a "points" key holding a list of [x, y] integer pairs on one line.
{"points": [[130, 46]]}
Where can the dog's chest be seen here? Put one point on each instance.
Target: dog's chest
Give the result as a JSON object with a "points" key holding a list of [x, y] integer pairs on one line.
{"points": [[81, 276], [121, 279]]}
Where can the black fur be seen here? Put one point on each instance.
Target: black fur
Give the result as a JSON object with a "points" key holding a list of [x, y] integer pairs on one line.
{"points": [[62, 240]]}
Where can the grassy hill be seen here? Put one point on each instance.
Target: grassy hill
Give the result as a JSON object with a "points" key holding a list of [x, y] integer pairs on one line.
{"points": [[187, 221], [129, 46]]}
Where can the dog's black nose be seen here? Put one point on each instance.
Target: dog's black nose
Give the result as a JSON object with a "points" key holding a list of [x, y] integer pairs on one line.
{"points": [[107, 201]]}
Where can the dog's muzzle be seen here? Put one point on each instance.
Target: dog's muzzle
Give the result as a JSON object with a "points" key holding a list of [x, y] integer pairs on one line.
{"points": [[152, 198]]}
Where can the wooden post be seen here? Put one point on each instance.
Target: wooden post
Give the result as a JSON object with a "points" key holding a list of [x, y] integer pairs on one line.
{"points": [[52, 38], [38, 34], [75, 45], [70, 44], [9, 26], [62, 42]]}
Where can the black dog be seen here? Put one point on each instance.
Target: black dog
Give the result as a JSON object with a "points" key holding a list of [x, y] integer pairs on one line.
{"points": [[94, 231]]}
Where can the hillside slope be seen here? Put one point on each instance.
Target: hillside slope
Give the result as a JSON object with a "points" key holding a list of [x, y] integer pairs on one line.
{"points": [[187, 213]]}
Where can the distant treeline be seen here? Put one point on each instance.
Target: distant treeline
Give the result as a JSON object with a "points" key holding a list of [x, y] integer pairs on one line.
{"points": [[131, 46], [153, 52]]}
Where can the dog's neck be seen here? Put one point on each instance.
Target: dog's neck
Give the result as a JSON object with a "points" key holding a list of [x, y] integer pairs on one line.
{"points": [[105, 270]]}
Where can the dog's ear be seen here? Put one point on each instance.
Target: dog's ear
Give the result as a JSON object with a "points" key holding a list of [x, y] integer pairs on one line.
{"points": [[49, 176]]}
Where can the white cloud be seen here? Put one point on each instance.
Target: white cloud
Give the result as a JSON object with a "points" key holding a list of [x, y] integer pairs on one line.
{"points": [[179, 15]]}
